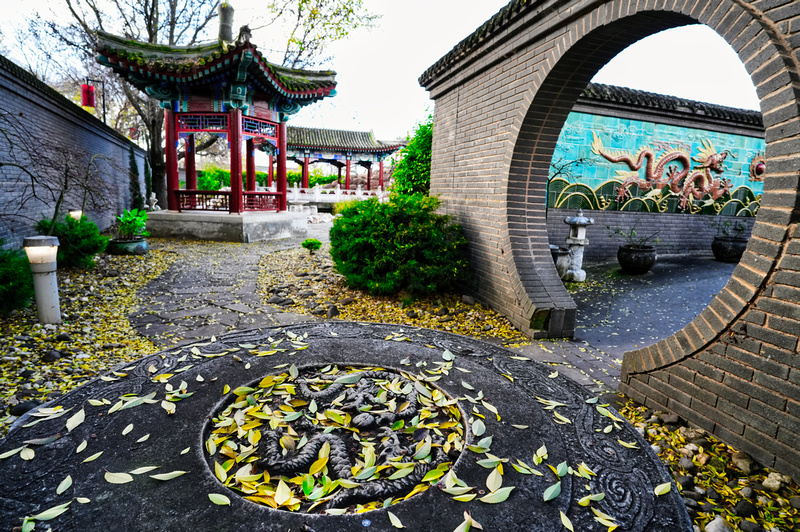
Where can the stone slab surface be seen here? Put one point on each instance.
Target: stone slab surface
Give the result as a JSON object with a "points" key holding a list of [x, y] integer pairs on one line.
{"points": [[207, 293], [225, 227], [635, 311], [626, 475]]}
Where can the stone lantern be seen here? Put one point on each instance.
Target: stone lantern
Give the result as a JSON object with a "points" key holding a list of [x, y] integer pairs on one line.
{"points": [[570, 265]]}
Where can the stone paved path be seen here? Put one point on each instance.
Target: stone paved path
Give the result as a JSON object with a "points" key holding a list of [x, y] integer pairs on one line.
{"points": [[210, 292]]}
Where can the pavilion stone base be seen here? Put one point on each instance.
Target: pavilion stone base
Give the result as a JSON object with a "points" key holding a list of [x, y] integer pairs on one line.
{"points": [[225, 227]]}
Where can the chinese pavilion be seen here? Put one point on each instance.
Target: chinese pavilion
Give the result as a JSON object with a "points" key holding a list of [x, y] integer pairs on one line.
{"points": [[224, 87], [341, 148]]}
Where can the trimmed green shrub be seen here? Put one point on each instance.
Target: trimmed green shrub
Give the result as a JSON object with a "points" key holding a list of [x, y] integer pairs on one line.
{"points": [[311, 244], [315, 177], [402, 244], [79, 241], [213, 178], [412, 174], [16, 280]]}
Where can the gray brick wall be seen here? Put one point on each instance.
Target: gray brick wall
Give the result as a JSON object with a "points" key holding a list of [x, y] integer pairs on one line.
{"points": [[501, 98], [677, 233], [48, 115]]}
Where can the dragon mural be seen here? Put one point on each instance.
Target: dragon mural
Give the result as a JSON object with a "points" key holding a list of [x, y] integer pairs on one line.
{"points": [[683, 180]]}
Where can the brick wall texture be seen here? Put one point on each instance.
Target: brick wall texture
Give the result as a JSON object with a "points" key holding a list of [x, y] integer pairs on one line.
{"points": [[45, 114], [501, 98]]}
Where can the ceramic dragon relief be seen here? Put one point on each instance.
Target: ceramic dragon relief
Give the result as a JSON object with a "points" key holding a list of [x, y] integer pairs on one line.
{"points": [[684, 179]]}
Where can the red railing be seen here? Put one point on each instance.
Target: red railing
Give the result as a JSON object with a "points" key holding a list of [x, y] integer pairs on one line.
{"points": [[203, 200], [210, 200], [261, 201]]}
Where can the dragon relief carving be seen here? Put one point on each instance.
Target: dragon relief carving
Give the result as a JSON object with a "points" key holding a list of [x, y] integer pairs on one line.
{"points": [[684, 181]]}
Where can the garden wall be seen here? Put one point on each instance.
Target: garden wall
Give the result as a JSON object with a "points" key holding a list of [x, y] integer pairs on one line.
{"points": [[47, 115], [502, 97], [677, 233]]}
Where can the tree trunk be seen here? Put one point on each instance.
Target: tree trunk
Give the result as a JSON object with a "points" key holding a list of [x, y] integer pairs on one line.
{"points": [[155, 128]]}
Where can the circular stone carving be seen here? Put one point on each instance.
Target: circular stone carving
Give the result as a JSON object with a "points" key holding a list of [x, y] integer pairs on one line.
{"points": [[148, 424], [328, 439]]}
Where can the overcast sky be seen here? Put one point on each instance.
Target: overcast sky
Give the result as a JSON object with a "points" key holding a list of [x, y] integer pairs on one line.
{"points": [[378, 69]]}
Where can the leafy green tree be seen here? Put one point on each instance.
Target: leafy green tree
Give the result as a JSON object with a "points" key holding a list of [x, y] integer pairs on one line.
{"points": [[412, 175]]}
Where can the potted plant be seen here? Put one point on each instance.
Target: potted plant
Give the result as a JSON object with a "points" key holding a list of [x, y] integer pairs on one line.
{"points": [[729, 244], [637, 255], [130, 234]]}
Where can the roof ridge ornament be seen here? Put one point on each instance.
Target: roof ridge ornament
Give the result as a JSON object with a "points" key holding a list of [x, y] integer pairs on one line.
{"points": [[225, 22], [244, 35]]}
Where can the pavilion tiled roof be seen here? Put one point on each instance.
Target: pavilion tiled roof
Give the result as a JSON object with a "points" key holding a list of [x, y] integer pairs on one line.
{"points": [[661, 102], [144, 63], [337, 139]]}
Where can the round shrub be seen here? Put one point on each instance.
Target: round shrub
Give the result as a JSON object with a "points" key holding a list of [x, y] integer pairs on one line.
{"points": [[79, 241], [311, 244], [399, 245], [16, 280]]}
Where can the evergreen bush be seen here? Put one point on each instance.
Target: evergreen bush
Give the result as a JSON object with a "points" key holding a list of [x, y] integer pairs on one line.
{"points": [[402, 244], [148, 180], [16, 280], [137, 201], [79, 241], [311, 244]]}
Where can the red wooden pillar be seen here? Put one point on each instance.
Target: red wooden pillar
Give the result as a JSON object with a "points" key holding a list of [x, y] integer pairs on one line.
{"points": [[251, 165], [369, 176], [380, 177], [235, 139], [171, 160], [269, 174], [305, 170], [191, 169], [282, 165], [347, 175]]}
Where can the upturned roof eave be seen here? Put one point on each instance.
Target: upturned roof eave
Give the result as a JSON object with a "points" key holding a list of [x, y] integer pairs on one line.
{"points": [[275, 76]]}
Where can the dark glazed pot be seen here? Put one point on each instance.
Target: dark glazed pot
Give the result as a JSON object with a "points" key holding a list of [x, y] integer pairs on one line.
{"points": [[636, 260], [136, 246], [728, 248]]}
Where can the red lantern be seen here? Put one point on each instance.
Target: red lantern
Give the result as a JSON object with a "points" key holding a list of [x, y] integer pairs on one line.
{"points": [[87, 95]]}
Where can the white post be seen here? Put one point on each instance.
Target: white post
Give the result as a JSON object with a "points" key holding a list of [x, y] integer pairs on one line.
{"points": [[41, 251]]}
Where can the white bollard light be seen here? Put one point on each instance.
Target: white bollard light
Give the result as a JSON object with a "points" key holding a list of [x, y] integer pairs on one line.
{"points": [[41, 251], [76, 214]]}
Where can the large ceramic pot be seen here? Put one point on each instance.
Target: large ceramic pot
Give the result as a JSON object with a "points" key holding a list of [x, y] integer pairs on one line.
{"points": [[136, 246], [728, 248], [636, 260]]}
